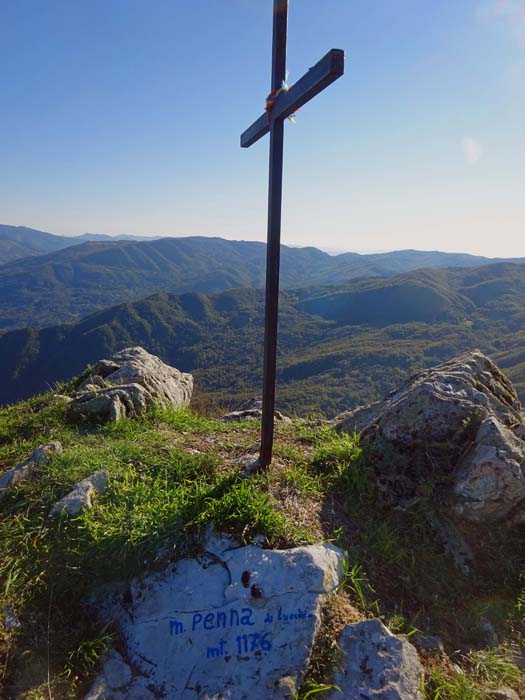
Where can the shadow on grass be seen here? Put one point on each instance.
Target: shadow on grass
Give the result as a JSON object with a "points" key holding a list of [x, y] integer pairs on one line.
{"points": [[404, 573]]}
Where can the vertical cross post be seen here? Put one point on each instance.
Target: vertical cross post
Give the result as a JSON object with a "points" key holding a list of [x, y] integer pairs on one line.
{"points": [[273, 253], [318, 77]]}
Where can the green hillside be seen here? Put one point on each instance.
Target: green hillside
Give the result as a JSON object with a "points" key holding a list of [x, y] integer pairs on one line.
{"points": [[18, 242], [69, 284], [338, 346], [79, 280], [425, 295]]}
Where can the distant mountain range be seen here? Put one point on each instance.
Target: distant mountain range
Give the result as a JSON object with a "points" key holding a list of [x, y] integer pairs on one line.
{"points": [[64, 279], [20, 242], [338, 346]]}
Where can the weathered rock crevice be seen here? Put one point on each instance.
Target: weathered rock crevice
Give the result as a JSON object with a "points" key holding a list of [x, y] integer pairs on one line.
{"points": [[452, 434], [28, 469], [128, 384]]}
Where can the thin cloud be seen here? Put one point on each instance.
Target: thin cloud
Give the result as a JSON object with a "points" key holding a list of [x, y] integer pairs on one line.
{"points": [[472, 149], [508, 12]]}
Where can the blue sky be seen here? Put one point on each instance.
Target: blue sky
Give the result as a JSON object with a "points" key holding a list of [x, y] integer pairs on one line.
{"points": [[124, 116]]}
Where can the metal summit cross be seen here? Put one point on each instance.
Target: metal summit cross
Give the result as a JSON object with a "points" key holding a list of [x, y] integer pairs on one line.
{"points": [[281, 103]]}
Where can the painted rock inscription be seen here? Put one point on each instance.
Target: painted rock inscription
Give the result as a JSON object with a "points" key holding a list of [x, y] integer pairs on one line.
{"points": [[243, 621], [231, 624]]}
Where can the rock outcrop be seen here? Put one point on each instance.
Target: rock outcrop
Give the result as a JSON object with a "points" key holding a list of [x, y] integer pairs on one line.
{"points": [[126, 385], [376, 665], [251, 410], [455, 431], [28, 468], [81, 497], [237, 622], [490, 479]]}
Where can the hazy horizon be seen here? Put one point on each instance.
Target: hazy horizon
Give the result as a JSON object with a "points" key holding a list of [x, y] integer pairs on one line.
{"points": [[326, 249]]}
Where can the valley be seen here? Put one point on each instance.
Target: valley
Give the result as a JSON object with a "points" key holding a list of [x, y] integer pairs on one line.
{"points": [[339, 346], [66, 285]]}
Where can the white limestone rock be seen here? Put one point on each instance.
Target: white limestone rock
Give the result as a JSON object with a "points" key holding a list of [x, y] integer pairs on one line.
{"points": [[376, 665], [503, 693], [490, 480], [433, 404], [100, 689], [459, 426], [81, 497], [117, 673], [236, 623], [62, 397], [111, 404], [251, 410], [11, 621], [28, 468], [118, 682], [137, 690], [127, 384]]}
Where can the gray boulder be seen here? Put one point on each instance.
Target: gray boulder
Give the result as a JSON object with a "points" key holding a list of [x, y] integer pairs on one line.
{"points": [[503, 693], [376, 665], [489, 483], [28, 468], [136, 690], [116, 671], [99, 690], [11, 621], [237, 622], [457, 428], [81, 497], [251, 410], [127, 384], [427, 643]]}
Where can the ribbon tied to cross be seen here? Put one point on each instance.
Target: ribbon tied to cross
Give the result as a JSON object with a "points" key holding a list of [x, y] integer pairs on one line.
{"points": [[272, 99]]}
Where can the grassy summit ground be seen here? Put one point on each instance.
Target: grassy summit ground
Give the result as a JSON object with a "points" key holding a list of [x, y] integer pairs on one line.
{"points": [[173, 475]]}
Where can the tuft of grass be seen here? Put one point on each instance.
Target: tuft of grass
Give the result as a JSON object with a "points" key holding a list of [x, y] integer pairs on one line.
{"points": [[299, 479], [452, 685], [187, 420], [82, 660], [313, 431], [29, 423], [384, 540], [242, 507], [495, 667], [482, 671], [314, 689], [359, 584], [340, 459]]}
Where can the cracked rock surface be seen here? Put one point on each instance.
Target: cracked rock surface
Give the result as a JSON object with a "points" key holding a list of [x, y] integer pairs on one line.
{"points": [[28, 468], [251, 410], [457, 427], [127, 384], [236, 623], [81, 497], [376, 665]]}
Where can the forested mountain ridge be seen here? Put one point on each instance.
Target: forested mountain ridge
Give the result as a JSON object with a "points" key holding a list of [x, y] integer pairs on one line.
{"points": [[18, 242], [338, 346], [71, 283]]}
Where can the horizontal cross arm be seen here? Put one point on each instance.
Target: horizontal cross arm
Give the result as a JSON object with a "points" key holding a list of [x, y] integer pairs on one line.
{"points": [[328, 69]]}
